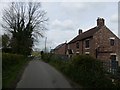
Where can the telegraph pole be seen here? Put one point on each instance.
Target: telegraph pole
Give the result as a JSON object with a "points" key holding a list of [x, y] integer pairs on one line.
{"points": [[45, 43]]}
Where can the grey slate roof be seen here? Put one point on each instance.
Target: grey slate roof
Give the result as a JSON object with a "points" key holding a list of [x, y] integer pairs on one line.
{"points": [[85, 34]]}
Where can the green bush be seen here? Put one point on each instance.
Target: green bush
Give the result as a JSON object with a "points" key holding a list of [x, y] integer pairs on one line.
{"points": [[46, 57], [11, 65], [54, 60], [88, 72]]}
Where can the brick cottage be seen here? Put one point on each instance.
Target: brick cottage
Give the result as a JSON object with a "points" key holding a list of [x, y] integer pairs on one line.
{"points": [[99, 42]]}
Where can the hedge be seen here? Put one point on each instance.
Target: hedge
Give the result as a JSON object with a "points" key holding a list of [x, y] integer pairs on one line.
{"points": [[11, 66]]}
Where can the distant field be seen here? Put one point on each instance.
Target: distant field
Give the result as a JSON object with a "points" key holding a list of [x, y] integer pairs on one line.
{"points": [[36, 54]]}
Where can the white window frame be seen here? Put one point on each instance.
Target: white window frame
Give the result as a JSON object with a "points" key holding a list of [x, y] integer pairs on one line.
{"points": [[77, 52], [72, 51], [113, 54], [117, 58], [87, 52], [112, 38]]}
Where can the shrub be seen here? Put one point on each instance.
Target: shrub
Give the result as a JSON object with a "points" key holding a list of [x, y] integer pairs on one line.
{"points": [[88, 72], [46, 57]]}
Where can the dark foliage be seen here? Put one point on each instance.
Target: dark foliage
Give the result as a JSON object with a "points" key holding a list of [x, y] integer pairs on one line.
{"points": [[7, 50], [89, 72]]}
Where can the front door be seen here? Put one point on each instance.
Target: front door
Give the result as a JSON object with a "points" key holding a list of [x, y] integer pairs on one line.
{"points": [[114, 63]]}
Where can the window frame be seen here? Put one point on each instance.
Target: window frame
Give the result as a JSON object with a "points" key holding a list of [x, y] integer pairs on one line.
{"points": [[112, 41], [87, 43], [87, 53], [77, 45]]}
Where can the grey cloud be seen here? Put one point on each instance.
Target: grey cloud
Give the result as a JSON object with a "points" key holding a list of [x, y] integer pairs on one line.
{"points": [[62, 25], [82, 6], [114, 18], [41, 44]]}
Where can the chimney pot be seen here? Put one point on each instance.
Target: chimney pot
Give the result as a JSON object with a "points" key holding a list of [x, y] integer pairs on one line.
{"points": [[80, 31], [100, 22]]}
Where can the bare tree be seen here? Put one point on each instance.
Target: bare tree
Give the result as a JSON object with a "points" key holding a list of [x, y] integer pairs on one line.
{"points": [[26, 21]]}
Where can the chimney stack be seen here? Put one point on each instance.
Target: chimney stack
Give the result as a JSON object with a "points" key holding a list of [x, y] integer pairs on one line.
{"points": [[80, 31], [100, 22]]}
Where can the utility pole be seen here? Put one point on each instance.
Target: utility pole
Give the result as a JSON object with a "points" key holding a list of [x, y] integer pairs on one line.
{"points": [[45, 43], [50, 49]]}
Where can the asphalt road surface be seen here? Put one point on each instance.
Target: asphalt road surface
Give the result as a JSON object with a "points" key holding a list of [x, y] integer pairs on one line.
{"points": [[41, 75]]}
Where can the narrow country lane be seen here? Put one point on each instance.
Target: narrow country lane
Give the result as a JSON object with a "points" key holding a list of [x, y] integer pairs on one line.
{"points": [[41, 75]]}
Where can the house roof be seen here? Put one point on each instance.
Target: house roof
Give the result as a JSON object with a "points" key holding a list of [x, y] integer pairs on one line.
{"points": [[60, 46], [85, 35]]}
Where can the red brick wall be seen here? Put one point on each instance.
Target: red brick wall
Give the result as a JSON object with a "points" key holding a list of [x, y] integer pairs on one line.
{"points": [[102, 39], [61, 50], [118, 50], [90, 49]]}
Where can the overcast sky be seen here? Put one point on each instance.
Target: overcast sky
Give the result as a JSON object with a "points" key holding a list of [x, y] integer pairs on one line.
{"points": [[65, 18]]}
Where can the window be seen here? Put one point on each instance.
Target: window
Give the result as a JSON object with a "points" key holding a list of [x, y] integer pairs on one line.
{"points": [[87, 44], [112, 42], [114, 63], [77, 45], [70, 51], [113, 57]]}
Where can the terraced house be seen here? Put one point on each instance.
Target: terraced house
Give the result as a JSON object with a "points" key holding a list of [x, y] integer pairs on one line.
{"points": [[99, 42]]}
